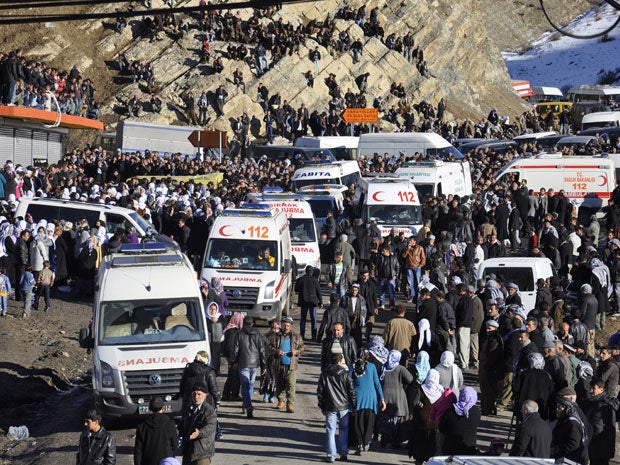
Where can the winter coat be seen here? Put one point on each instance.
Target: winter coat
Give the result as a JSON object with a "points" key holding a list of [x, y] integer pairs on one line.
{"points": [[96, 449], [533, 384], [156, 439], [533, 438], [335, 390], [601, 413], [249, 351], [333, 314], [297, 349], [394, 383], [205, 421], [349, 350], [39, 251], [414, 257], [198, 372], [399, 333], [368, 390], [308, 291], [460, 431]]}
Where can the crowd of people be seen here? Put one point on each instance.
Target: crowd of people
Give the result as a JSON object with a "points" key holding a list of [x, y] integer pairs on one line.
{"points": [[407, 384], [34, 84]]}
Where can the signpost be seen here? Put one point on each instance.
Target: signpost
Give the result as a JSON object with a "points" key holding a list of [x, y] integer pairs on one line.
{"points": [[209, 139], [360, 116]]}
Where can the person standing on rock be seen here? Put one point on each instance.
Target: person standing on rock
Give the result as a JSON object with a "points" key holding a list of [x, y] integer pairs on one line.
{"points": [[97, 445], [315, 57], [156, 437]]}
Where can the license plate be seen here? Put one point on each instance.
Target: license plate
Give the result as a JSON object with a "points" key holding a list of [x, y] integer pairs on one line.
{"points": [[144, 409]]}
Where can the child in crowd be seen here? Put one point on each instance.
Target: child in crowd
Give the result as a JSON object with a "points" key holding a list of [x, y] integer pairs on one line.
{"points": [[26, 284], [5, 290], [45, 281]]}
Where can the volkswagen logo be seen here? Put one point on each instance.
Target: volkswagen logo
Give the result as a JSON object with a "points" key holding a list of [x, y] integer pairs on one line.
{"points": [[154, 379], [236, 293]]}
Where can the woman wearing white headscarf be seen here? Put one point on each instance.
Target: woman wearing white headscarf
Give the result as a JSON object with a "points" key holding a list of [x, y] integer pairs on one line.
{"points": [[423, 441], [394, 377], [450, 375]]}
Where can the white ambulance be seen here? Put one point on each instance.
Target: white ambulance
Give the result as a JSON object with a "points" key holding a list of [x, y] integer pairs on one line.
{"points": [[149, 322], [249, 249], [436, 177], [390, 200], [324, 198], [302, 225], [586, 181], [341, 172]]}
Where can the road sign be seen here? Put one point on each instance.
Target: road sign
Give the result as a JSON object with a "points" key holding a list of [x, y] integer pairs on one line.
{"points": [[208, 139], [360, 115]]}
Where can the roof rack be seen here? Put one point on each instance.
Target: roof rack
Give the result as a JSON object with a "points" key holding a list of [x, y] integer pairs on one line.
{"points": [[147, 253]]}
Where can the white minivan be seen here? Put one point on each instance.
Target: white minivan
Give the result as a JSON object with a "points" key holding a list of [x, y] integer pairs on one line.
{"points": [[523, 271]]}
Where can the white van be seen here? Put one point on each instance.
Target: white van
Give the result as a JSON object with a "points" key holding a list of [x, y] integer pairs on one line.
{"points": [[586, 181], [67, 210], [341, 172], [342, 147], [324, 198], [601, 119], [302, 225], [148, 323], [428, 144], [490, 460], [436, 177], [524, 271], [256, 284], [390, 200]]}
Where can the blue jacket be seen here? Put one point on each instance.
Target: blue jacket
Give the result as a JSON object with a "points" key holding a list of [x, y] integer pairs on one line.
{"points": [[368, 389], [27, 281]]}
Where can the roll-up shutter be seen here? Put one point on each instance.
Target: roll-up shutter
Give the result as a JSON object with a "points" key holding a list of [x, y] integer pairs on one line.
{"points": [[23, 147], [6, 144], [54, 147], [39, 145]]}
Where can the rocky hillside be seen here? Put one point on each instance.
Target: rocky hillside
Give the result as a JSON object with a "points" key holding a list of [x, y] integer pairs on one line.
{"points": [[461, 43]]}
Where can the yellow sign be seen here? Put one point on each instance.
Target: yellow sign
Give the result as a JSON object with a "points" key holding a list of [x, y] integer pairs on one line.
{"points": [[215, 178]]}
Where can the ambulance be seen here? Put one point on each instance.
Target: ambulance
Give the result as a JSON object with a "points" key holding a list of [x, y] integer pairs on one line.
{"points": [[391, 201], [436, 177], [324, 198], [341, 172], [428, 144], [586, 181], [148, 323], [302, 225], [249, 249]]}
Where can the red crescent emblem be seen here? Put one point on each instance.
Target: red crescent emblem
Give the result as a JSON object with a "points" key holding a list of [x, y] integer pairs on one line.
{"points": [[221, 231], [604, 180], [375, 196]]}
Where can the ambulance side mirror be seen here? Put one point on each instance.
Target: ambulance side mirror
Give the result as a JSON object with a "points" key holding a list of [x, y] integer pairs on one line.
{"points": [[286, 266]]}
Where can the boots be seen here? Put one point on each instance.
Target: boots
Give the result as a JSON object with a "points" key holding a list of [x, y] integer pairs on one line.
{"points": [[290, 408], [280, 405]]}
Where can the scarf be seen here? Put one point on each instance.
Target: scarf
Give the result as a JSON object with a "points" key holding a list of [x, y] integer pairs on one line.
{"points": [[536, 360], [423, 366], [584, 370], [392, 362], [431, 387], [236, 321], [217, 314], [447, 361], [425, 333], [467, 399], [377, 349]]}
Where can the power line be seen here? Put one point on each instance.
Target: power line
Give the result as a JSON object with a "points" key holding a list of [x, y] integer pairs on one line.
{"points": [[29, 19], [567, 33], [55, 3]]}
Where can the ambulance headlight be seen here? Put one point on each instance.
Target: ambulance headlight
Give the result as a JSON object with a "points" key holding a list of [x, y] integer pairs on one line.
{"points": [[269, 290], [107, 379]]}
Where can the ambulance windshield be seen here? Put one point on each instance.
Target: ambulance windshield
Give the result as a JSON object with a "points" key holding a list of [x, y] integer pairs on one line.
{"points": [[148, 321], [241, 254], [402, 215]]}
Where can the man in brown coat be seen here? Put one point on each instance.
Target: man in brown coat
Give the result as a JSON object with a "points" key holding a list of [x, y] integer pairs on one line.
{"points": [[399, 333], [414, 260], [286, 348]]}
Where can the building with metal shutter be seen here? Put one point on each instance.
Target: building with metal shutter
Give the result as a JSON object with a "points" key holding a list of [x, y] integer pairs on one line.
{"points": [[27, 138]]}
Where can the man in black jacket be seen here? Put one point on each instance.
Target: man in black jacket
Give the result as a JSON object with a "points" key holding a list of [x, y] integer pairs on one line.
{"points": [[156, 437], [309, 298], [464, 312], [388, 270], [97, 445], [601, 413], [199, 372], [336, 397], [533, 436], [368, 290], [341, 343], [197, 429], [249, 355]]}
